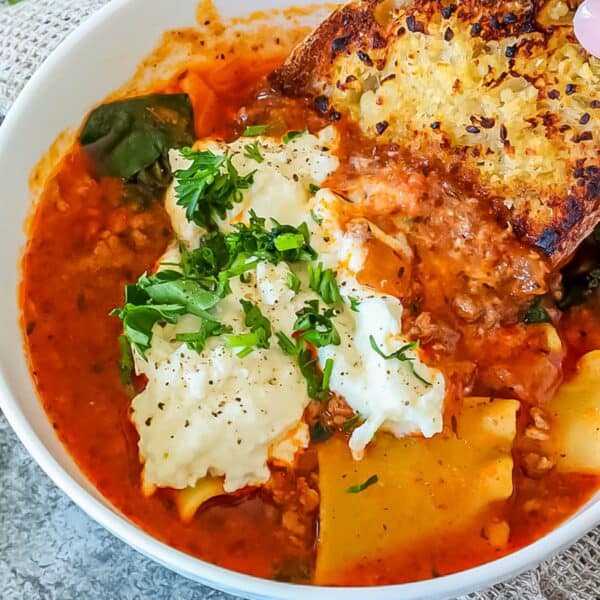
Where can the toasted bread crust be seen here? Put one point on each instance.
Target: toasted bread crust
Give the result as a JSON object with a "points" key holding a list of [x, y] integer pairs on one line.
{"points": [[501, 93]]}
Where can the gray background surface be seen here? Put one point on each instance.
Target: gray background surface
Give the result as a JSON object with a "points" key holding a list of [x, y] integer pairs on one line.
{"points": [[49, 549]]}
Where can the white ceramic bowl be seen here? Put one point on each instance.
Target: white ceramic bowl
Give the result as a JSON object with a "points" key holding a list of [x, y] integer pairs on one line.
{"points": [[96, 59]]}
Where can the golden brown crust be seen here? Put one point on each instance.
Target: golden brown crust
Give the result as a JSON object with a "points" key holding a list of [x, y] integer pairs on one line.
{"points": [[500, 92]]}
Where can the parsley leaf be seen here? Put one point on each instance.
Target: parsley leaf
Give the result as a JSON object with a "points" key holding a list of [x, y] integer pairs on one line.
{"points": [[401, 356], [309, 367], [323, 283], [252, 151], [197, 341], [254, 130], [163, 297], [294, 282], [354, 303], [356, 489], [253, 243], [209, 187], [317, 382], [260, 331], [316, 328], [290, 135], [313, 189], [327, 371]]}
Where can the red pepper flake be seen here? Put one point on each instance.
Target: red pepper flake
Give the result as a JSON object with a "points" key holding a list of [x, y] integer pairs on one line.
{"points": [[322, 104], [586, 136], [475, 29], [413, 25], [447, 11], [381, 127], [365, 58], [487, 122]]}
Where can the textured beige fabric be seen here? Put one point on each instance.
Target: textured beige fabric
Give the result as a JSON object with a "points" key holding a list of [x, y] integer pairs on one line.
{"points": [[29, 31]]}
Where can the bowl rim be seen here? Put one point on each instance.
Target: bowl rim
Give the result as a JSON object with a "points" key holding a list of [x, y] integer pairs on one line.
{"points": [[207, 573]]}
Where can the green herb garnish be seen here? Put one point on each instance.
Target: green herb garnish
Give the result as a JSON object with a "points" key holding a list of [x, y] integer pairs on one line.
{"points": [[290, 135], [252, 151], [260, 331], [361, 487], [254, 130], [313, 189], [323, 283], [327, 371], [163, 297], [354, 303], [294, 282], [316, 328], [317, 382], [197, 340], [401, 356], [209, 187]]}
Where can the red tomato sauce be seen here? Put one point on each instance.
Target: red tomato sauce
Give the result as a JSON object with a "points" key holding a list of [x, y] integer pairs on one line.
{"points": [[85, 244]]}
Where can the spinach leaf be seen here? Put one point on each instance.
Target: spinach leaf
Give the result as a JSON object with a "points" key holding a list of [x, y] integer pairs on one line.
{"points": [[131, 139]]}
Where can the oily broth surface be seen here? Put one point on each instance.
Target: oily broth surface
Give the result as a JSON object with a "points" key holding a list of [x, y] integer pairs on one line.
{"points": [[71, 282]]}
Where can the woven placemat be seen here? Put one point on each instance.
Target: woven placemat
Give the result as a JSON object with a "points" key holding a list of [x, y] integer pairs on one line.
{"points": [[29, 31]]}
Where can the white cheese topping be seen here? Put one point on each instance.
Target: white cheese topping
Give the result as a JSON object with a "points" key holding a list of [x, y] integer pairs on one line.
{"points": [[281, 183], [219, 414], [216, 413]]}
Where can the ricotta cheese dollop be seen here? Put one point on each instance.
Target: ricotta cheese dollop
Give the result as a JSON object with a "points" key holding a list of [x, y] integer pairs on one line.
{"points": [[216, 413]]}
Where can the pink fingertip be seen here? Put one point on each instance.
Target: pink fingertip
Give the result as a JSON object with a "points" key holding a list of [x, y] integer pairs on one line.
{"points": [[587, 26]]}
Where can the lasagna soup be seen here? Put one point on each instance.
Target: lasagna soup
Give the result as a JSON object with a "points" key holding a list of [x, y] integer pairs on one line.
{"points": [[298, 316]]}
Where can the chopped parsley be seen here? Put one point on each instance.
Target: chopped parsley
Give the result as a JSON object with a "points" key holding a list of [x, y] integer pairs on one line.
{"points": [[294, 282], [260, 331], [254, 130], [317, 381], [327, 371], [401, 356], [316, 328], [197, 340], [323, 283], [209, 187], [313, 189], [163, 297], [252, 151], [361, 487], [290, 135], [354, 303]]}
